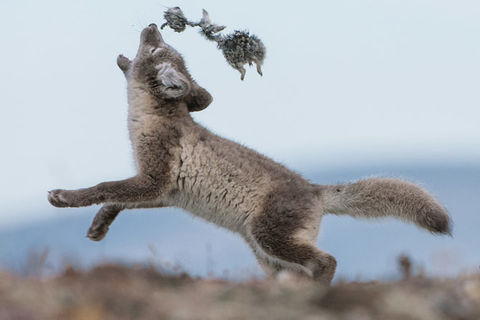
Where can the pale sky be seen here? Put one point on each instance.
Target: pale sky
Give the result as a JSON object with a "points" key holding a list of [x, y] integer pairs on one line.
{"points": [[345, 82]]}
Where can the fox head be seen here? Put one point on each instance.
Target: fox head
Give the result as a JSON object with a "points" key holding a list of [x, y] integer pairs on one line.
{"points": [[159, 70]]}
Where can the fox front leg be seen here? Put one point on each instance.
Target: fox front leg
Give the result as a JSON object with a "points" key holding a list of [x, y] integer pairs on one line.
{"points": [[102, 221], [136, 189], [107, 214]]}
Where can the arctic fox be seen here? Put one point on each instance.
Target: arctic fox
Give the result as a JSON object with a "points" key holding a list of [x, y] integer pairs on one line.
{"points": [[182, 164]]}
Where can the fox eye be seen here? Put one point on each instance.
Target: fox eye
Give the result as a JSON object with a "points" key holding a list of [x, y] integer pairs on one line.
{"points": [[154, 51]]}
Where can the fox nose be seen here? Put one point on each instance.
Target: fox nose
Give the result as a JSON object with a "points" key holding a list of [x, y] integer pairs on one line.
{"points": [[150, 35]]}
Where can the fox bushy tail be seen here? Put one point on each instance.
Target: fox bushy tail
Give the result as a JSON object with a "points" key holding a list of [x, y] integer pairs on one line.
{"points": [[378, 197]]}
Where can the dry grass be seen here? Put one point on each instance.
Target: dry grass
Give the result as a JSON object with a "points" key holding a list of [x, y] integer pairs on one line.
{"points": [[121, 292]]}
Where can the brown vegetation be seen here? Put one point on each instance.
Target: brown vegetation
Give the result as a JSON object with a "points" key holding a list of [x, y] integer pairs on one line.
{"points": [[121, 292]]}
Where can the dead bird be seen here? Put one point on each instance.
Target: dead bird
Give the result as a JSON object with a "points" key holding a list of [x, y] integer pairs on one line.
{"points": [[239, 48], [175, 19]]}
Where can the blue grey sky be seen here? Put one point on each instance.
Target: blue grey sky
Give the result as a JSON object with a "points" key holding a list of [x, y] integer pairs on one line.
{"points": [[345, 82]]}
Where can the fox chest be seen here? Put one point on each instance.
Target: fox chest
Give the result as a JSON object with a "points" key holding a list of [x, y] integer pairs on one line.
{"points": [[212, 188]]}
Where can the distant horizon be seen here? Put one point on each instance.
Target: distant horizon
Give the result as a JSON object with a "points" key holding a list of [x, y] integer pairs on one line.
{"points": [[308, 169]]}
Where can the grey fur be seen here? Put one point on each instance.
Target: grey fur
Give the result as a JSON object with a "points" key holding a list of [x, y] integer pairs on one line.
{"points": [[182, 164], [377, 197]]}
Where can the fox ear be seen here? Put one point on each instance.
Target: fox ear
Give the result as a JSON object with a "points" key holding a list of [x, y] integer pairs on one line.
{"points": [[175, 84], [123, 63], [199, 98]]}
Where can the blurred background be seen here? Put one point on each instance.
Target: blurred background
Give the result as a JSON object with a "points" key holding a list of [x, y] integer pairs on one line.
{"points": [[351, 89]]}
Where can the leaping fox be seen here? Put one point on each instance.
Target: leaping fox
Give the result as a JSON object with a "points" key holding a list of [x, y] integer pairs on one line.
{"points": [[182, 164]]}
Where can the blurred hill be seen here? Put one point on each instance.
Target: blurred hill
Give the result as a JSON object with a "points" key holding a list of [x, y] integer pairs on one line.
{"points": [[365, 249]]}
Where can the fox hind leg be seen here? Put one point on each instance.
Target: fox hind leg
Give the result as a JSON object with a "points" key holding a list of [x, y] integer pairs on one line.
{"points": [[308, 261], [280, 242]]}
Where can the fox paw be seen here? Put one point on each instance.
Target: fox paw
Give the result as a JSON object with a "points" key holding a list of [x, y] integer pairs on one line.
{"points": [[61, 198], [97, 231]]}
